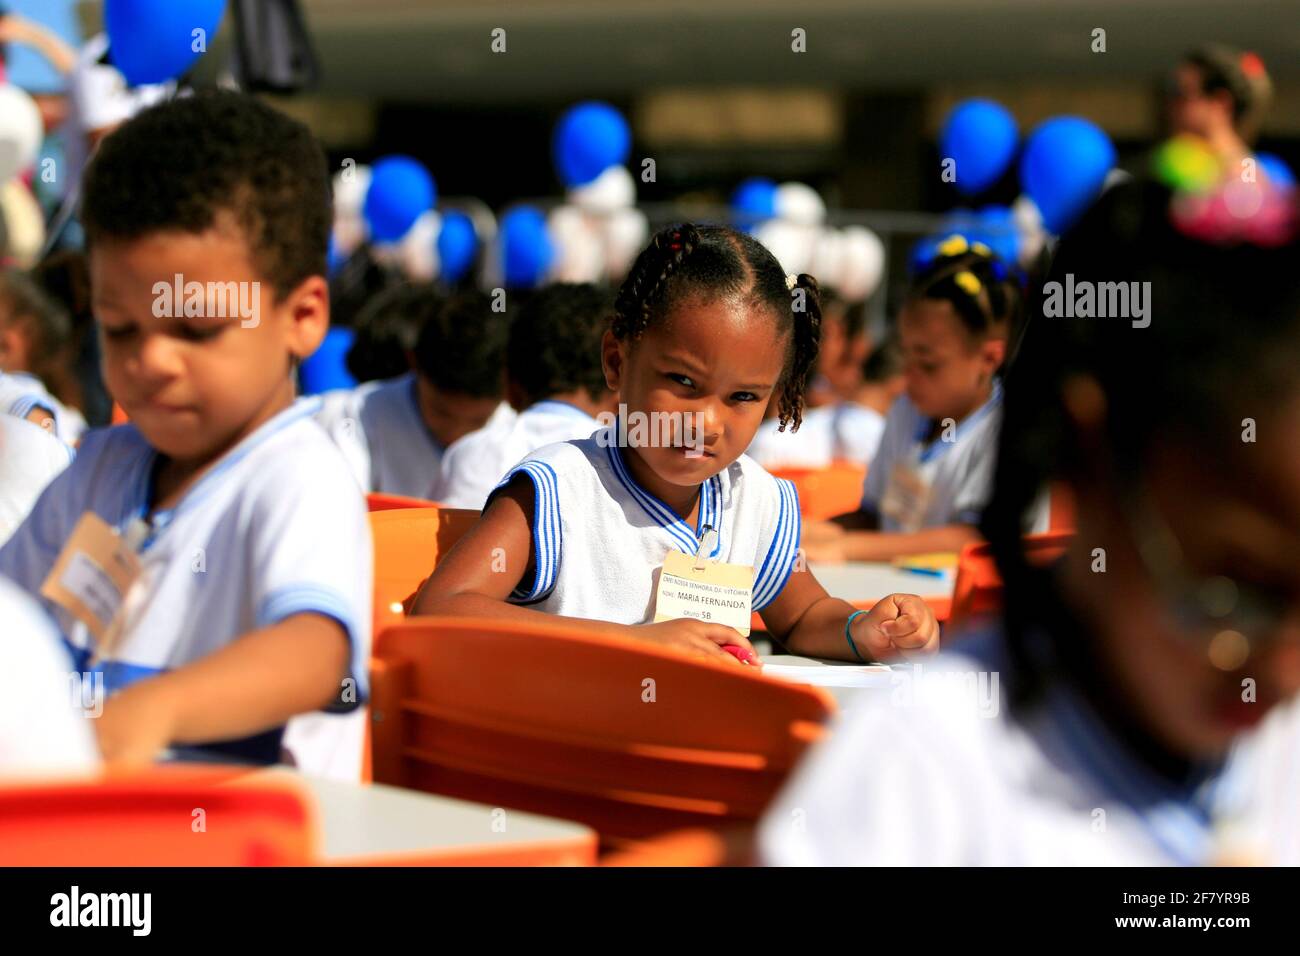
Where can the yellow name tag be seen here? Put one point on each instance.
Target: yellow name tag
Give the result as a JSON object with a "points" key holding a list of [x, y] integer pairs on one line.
{"points": [[714, 592], [92, 576]]}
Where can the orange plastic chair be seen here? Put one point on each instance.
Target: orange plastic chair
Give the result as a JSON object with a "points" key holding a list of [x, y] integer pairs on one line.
{"points": [[152, 818], [408, 543], [628, 738], [377, 501], [977, 588], [680, 848], [826, 492]]}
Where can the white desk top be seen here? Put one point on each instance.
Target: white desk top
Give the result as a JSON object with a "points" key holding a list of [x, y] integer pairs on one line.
{"points": [[869, 580], [371, 820]]}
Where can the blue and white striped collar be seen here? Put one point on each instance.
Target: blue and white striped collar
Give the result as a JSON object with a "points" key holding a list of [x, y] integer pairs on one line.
{"points": [[142, 497], [937, 447], [709, 512]]}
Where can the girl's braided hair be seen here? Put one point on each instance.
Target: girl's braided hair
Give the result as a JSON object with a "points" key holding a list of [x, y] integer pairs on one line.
{"points": [[686, 262]]}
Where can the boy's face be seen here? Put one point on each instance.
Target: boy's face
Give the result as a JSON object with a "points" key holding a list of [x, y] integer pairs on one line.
{"points": [[720, 361], [451, 415], [944, 369], [195, 384]]}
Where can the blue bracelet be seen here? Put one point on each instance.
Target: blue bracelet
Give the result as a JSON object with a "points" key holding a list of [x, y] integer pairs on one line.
{"points": [[849, 637]]}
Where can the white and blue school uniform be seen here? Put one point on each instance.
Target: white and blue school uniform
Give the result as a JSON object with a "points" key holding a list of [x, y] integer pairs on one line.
{"points": [[599, 538], [913, 483], [276, 527], [30, 458], [828, 434], [21, 394], [45, 717], [968, 784], [474, 464], [383, 436]]}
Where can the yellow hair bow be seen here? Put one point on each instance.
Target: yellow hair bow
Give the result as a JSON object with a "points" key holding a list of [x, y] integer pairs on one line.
{"points": [[968, 282]]}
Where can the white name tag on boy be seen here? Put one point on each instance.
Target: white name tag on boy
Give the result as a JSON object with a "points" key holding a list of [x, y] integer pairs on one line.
{"points": [[906, 497], [704, 591], [92, 575]]}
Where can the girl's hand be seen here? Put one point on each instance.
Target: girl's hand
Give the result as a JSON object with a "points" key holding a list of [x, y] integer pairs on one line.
{"points": [[825, 552], [699, 638], [899, 624], [135, 727]]}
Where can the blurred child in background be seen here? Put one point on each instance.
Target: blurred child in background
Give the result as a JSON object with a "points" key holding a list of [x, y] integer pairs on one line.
{"points": [[30, 458], [387, 328], [553, 375], [234, 589], [707, 330], [845, 431], [394, 432], [34, 333], [933, 471], [1138, 704]]}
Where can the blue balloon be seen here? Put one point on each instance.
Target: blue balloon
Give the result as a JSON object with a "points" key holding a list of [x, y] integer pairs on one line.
{"points": [[980, 136], [457, 245], [1277, 171], [590, 138], [152, 41], [1064, 166], [753, 201], [526, 248], [401, 190], [326, 368]]}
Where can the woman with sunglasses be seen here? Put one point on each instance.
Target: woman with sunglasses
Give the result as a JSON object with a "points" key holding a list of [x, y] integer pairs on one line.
{"points": [[933, 469], [1138, 702]]}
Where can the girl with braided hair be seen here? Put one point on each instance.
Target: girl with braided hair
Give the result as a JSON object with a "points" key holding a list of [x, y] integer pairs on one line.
{"points": [[707, 328], [933, 470]]}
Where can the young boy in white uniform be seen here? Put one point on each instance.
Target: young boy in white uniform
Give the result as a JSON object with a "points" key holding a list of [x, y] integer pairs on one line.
{"points": [[30, 458], [211, 559], [553, 373], [394, 432]]}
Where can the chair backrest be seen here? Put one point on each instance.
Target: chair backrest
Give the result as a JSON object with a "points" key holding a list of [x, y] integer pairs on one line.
{"points": [[626, 737], [378, 501], [826, 492], [977, 588], [158, 817], [408, 543]]}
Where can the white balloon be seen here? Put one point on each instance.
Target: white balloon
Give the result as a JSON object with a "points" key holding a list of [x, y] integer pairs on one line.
{"points": [[613, 189], [828, 257], [24, 223], [1029, 225], [579, 249], [791, 244], [864, 263], [626, 232], [418, 249], [350, 188], [800, 203], [21, 131]]}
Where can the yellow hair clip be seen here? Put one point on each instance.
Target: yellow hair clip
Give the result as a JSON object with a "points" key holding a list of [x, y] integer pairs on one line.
{"points": [[982, 249], [954, 245], [968, 282]]}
